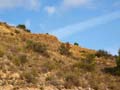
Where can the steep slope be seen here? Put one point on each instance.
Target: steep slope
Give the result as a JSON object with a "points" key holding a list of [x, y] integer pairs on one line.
{"points": [[42, 62]]}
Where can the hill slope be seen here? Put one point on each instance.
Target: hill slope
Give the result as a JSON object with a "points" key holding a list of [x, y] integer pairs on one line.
{"points": [[42, 62]]}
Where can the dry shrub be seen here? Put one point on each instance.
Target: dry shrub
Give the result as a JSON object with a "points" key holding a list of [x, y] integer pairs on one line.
{"points": [[1, 52], [37, 47], [71, 80], [30, 76], [64, 49]]}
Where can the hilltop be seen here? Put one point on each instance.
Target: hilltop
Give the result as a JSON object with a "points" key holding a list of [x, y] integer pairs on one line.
{"points": [[31, 61]]}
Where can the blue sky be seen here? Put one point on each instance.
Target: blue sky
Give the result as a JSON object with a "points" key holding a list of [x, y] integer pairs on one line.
{"points": [[92, 23]]}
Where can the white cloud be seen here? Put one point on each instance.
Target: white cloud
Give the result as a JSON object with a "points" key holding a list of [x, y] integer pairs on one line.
{"points": [[81, 26], [27, 4], [75, 3], [50, 9]]}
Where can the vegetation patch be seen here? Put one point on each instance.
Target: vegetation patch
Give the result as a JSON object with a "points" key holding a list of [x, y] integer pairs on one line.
{"points": [[37, 47], [87, 64], [1, 52], [71, 80], [103, 53], [30, 76], [50, 65], [20, 59], [76, 44], [64, 49], [22, 26]]}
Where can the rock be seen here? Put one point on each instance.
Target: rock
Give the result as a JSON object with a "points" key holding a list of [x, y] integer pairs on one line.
{"points": [[8, 87], [14, 76], [3, 75]]}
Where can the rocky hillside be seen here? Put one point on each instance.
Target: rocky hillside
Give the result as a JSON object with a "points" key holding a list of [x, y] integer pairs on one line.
{"points": [[41, 62]]}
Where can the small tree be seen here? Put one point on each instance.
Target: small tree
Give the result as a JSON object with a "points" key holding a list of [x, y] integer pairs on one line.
{"points": [[76, 44], [22, 26]]}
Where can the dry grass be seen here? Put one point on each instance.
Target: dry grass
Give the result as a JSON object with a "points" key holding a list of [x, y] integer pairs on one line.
{"points": [[41, 59]]}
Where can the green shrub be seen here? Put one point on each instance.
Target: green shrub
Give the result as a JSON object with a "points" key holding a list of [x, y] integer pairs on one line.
{"points": [[103, 53], [47, 33], [65, 49], [21, 26], [76, 44], [27, 30]]}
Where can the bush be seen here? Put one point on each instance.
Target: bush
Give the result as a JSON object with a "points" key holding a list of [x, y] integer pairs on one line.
{"points": [[1, 53], [17, 32], [20, 59], [21, 26], [103, 53], [50, 65], [47, 33], [30, 76], [115, 70], [88, 64], [30, 44], [118, 60], [71, 80], [27, 30], [65, 49], [37, 47], [76, 44]]}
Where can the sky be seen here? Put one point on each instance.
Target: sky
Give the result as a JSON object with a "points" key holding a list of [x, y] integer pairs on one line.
{"points": [[94, 24]]}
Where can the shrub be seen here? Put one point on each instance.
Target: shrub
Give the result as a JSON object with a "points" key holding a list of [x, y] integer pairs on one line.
{"points": [[76, 44], [47, 33], [29, 44], [118, 60], [65, 49], [50, 65], [88, 64], [16, 31], [115, 70], [37, 47], [1, 52], [27, 30], [71, 80], [21, 26], [20, 59], [30, 76], [103, 53]]}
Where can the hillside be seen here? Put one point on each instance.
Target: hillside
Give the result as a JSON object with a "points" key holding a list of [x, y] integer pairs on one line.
{"points": [[41, 62]]}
